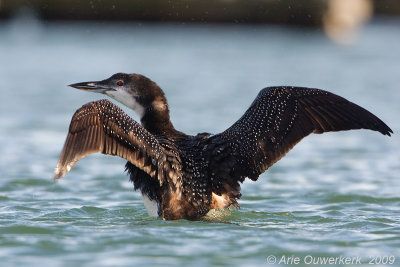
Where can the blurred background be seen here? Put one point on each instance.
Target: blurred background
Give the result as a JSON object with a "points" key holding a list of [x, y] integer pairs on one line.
{"points": [[300, 12], [333, 194], [339, 18]]}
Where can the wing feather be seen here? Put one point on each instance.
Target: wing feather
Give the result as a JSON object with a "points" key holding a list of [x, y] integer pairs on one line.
{"points": [[102, 127], [281, 116]]}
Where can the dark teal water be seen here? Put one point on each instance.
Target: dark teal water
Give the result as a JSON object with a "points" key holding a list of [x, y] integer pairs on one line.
{"points": [[333, 195]]}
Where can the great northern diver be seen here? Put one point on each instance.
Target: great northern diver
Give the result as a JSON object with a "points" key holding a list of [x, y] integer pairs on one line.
{"points": [[187, 176]]}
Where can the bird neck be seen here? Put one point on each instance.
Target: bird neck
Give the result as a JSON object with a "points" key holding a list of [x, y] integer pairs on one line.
{"points": [[156, 119]]}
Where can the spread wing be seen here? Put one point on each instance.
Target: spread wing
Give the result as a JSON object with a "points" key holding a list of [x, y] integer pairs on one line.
{"points": [[101, 126], [281, 116]]}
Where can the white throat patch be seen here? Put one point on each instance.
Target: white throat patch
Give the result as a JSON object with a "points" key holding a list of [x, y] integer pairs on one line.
{"points": [[128, 100]]}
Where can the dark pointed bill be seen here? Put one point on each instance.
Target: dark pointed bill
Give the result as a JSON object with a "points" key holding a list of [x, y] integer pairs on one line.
{"points": [[96, 87]]}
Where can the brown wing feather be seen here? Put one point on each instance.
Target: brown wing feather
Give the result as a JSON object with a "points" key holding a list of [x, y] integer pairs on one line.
{"points": [[100, 126], [281, 116]]}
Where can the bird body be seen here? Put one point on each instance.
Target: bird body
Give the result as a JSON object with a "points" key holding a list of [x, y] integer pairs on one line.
{"points": [[183, 176]]}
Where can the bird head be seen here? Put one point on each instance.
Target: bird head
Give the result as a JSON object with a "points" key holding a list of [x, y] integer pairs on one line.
{"points": [[133, 90]]}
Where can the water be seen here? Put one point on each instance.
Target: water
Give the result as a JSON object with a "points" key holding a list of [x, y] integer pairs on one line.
{"points": [[334, 195]]}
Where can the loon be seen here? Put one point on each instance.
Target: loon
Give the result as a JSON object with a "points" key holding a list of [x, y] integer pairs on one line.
{"points": [[182, 176]]}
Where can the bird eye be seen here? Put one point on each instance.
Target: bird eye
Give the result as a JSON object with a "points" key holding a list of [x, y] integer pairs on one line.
{"points": [[120, 83]]}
